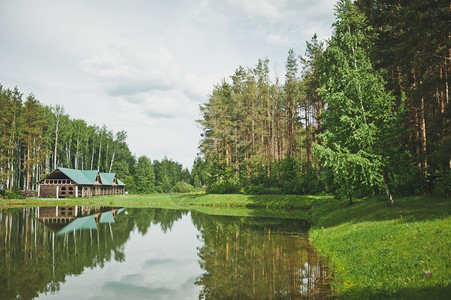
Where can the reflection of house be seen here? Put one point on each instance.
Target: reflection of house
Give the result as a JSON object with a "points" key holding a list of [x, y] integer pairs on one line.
{"points": [[63, 182], [63, 219]]}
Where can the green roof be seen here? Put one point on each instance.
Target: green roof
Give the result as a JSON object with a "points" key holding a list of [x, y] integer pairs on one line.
{"points": [[107, 178], [91, 175], [79, 176], [88, 177], [120, 183]]}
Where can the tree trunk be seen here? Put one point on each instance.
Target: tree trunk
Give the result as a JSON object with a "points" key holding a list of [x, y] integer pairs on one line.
{"points": [[56, 141], [112, 160], [424, 161], [308, 146], [13, 147], [76, 151], [28, 166], [92, 156], [100, 152], [389, 195]]}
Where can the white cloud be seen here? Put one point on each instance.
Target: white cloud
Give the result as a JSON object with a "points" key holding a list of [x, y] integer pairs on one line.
{"points": [[132, 68], [261, 8]]}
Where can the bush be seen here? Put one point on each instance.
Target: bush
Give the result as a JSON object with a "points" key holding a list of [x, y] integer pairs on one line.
{"points": [[442, 185], [221, 186], [183, 187], [14, 194]]}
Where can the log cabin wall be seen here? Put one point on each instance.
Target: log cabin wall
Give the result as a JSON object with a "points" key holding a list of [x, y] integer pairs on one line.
{"points": [[58, 188]]}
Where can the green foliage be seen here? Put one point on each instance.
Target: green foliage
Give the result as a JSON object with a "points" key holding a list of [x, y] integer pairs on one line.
{"points": [[224, 186], [412, 46], [359, 118], [14, 194], [442, 183], [198, 173], [183, 187], [144, 177], [168, 173], [251, 126]]}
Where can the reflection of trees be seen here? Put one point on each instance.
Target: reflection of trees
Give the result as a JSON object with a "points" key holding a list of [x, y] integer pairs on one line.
{"points": [[256, 258], [34, 259], [241, 257], [166, 218]]}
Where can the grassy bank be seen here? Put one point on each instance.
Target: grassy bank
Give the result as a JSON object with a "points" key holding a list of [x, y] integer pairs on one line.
{"points": [[274, 206], [179, 200], [376, 251]]}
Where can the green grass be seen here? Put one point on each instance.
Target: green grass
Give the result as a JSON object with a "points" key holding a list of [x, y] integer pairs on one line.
{"points": [[180, 200], [270, 206], [380, 252]]}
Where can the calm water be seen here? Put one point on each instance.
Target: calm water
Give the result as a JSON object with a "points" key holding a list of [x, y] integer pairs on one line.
{"points": [[113, 253]]}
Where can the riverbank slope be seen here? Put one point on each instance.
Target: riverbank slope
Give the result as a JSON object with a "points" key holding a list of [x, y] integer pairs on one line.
{"points": [[179, 200], [377, 251]]}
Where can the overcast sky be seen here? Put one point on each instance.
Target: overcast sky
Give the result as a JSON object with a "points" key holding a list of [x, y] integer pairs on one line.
{"points": [[144, 66]]}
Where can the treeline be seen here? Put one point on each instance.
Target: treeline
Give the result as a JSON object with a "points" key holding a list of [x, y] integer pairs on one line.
{"points": [[163, 176], [35, 139], [364, 112]]}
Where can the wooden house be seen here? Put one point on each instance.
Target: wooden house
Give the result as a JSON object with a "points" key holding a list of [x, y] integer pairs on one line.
{"points": [[63, 182]]}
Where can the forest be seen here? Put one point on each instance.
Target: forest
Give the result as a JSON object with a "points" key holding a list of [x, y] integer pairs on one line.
{"points": [[365, 112], [35, 139]]}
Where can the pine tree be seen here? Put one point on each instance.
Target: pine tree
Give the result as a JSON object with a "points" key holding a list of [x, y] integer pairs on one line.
{"points": [[144, 177], [33, 127]]}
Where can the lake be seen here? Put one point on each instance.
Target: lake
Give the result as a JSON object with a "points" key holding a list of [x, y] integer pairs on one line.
{"points": [[82, 252]]}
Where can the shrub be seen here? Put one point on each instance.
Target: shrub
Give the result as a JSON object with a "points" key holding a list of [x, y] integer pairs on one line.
{"points": [[14, 194], [221, 186], [183, 187]]}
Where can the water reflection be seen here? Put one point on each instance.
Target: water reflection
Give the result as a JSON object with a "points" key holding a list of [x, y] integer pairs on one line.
{"points": [[40, 248], [247, 258], [65, 219], [36, 259]]}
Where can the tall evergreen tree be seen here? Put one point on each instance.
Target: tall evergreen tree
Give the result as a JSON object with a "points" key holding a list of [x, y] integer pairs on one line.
{"points": [[413, 46], [33, 127], [144, 177]]}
